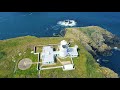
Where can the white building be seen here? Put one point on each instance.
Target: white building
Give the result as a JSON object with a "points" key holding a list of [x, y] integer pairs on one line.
{"points": [[65, 50], [47, 55], [68, 67], [72, 51]]}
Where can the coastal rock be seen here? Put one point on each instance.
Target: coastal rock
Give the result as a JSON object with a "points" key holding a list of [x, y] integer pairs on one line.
{"points": [[94, 38], [113, 42], [104, 47], [109, 73]]}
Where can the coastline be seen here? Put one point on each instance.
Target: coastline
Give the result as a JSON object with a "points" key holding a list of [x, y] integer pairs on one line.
{"points": [[22, 43]]}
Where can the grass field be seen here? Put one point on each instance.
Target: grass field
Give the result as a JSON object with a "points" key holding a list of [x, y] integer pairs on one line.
{"points": [[15, 49]]}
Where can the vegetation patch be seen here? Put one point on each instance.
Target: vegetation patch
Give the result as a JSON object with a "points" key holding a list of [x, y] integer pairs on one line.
{"points": [[2, 55]]}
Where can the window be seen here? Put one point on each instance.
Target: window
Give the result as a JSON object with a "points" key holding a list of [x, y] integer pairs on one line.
{"points": [[64, 46]]}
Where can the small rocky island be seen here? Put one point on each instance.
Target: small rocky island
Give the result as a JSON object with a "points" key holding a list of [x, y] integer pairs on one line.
{"points": [[91, 41]]}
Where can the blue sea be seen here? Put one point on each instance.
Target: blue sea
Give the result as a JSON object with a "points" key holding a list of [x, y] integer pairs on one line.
{"points": [[44, 24]]}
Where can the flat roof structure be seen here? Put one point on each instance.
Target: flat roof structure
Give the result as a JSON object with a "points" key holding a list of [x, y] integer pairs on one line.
{"points": [[47, 55], [68, 67], [72, 51]]}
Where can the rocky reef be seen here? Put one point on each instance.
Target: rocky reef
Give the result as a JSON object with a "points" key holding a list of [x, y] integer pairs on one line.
{"points": [[95, 39]]}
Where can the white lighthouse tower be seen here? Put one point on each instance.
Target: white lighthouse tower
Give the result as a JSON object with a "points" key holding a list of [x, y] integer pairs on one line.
{"points": [[63, 49]]}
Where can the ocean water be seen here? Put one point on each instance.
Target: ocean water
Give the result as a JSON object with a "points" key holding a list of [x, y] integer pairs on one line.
{"points": [[44, 24], [112, 62]]}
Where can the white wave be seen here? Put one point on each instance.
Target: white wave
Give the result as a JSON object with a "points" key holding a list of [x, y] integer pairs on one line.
{"points": [[116, 48], [98, 60], [70, 23]]}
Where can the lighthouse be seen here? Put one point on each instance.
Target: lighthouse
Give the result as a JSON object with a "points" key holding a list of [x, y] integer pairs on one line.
{"points": [[63, 49]]}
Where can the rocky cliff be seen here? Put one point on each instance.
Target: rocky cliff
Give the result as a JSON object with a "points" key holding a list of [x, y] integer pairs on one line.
{"points": [[95, 39]]}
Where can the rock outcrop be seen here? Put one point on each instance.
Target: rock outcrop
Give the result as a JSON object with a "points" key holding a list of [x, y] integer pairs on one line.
{"points": [[95, 39], [108, 73]]}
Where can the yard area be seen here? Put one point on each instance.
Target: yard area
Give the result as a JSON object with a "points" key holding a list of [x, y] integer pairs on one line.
{"points": [[16, 49], [30, 72]]}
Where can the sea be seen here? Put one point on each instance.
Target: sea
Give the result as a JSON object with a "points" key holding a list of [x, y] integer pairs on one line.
{"points": [[44, 24]]}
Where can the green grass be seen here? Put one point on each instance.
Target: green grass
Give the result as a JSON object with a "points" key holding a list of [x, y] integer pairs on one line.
{"points": [[85, 67], [87, 31], [65, 59], [38, 49], [2, 55], [10, 50], [32, 72]]}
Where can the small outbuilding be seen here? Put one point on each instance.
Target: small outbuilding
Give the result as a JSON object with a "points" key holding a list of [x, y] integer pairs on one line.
{"points": [[68, 67], [72, 51]]}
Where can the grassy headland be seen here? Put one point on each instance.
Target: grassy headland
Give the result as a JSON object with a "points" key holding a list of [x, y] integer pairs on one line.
{"points": [[15, 49]]}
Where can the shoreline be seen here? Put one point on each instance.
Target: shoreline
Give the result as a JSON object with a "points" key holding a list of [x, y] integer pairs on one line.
{"points": [[23, 42]]}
